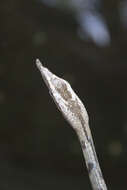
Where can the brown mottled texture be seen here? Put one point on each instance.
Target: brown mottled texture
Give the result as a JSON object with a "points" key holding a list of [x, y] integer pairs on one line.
{"points": [[64, 92], [74, 107]]}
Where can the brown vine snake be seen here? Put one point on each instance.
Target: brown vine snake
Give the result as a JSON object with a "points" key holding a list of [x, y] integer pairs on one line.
{"points": [[75, 113]]}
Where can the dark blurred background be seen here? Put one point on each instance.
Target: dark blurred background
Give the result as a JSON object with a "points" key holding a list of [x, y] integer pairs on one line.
{"points": [[85, 42]]}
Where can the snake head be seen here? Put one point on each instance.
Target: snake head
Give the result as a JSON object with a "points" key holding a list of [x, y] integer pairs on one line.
{"points": [[65, 98]]}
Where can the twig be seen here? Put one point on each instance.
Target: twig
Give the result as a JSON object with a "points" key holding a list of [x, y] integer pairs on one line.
{"points": [[75, 113]]}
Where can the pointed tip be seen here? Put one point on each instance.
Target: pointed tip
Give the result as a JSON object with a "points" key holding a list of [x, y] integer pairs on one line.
{"points": [[46, 74], [38, 63], [37, 60]]}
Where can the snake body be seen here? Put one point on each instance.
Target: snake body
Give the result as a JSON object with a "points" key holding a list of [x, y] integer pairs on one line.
{"points": [[75, 113]]}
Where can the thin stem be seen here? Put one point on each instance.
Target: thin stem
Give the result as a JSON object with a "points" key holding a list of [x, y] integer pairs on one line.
{"points": [[75, 113]]}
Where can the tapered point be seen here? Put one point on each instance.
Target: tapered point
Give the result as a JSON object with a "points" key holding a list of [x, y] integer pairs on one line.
{"points": [[46, 74], [39, 64]]}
